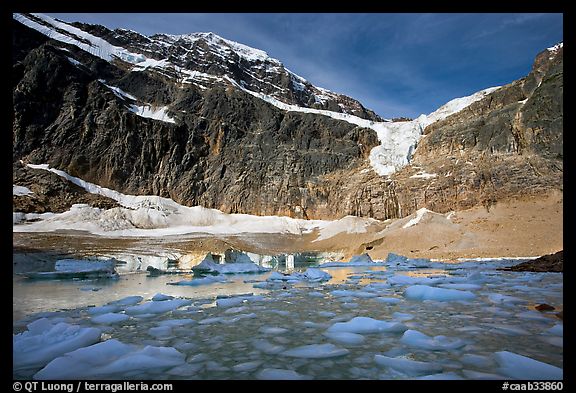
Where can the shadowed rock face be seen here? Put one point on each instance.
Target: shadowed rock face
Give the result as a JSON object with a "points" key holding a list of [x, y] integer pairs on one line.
{"points": [[234, 152]]}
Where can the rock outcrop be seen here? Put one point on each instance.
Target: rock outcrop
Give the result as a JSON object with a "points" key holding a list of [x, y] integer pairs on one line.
{"points": [[546, 263]]}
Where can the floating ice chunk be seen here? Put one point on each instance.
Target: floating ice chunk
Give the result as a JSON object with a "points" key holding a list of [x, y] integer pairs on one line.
{"points": [[247, 366], [500, 299], [313, 274], [185, 370], [407, 366], [346, 337], [522, 367], [111, 359], [277, 276], [362, 325], [209, 321], [272, 330], [473, 374], [231, 302], [477, 360], [267, 347], [110, 318], [160, 297], [425, 292], [237, 318], [127, 301], [511, 330], [442, 376], [341, 292], [176, 322], [553, 340], [326, 314], [533, 315], [45, 341], [280, 374], [556, 330], [401, 316], [465, 287], [102, 309], [316, 351], [391, 300], [315, 294], [416, 339], [348, 293], [159, 307], [160, 331]]}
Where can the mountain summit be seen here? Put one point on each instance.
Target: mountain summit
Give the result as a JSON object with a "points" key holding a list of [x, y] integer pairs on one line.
{"points": [[208, 121]]}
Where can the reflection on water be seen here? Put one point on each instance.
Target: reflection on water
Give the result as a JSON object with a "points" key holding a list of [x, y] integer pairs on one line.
{"points": [[32, 296]]}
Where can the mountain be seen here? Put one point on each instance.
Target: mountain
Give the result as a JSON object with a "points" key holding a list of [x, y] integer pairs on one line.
{"points": [[207, 121]]}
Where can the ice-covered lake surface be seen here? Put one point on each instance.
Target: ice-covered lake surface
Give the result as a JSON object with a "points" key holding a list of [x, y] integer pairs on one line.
{"points": [[463, 320]]}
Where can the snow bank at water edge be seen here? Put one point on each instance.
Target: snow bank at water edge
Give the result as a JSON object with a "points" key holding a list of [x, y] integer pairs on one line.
{"points": [[147, 215]]}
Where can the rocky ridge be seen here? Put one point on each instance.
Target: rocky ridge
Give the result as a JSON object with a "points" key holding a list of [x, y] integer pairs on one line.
{"points": [[220, 147]]}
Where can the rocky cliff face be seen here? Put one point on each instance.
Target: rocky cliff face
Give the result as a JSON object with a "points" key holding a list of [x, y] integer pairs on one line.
{"points": [[187, 129]]}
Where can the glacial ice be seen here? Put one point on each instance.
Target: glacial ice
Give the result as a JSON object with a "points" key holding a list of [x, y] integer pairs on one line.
{"points": [[556, 330], [111, 359], [407, 366], [45, 341], [522, 367], [346, 337], [365, 325], [316, 351], [110, 318], [416, 339], [425, 292], [209, 266], [280, 374], [160, 307]]}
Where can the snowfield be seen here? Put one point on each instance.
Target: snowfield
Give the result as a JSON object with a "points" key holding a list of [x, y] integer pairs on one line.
{"points": [[146, 215]]}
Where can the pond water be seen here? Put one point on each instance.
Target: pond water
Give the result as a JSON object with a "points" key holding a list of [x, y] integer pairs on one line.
{"points": [[366, 322]]}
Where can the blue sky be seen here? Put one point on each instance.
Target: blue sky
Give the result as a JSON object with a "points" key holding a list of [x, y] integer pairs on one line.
{"points": [[395, 64]]}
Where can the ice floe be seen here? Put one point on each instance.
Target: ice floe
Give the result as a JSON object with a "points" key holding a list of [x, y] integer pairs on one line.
{"points": [[280, 374], [110, 318], [364, 325], [316, 351], [416, 339], [45, 341], [425, 292], [159, 307], [111, 359], [522, 367], [346, 337], [407, 366]]}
